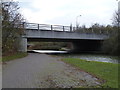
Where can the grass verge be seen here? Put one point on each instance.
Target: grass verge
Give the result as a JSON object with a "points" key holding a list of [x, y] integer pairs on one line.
{"points": [[14, 56], [105, 71]]}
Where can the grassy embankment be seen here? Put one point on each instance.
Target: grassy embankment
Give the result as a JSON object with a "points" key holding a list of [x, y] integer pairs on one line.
{"points": [[14, 56], [104, 71]]}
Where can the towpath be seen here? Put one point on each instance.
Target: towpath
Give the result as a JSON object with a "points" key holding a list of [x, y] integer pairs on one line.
{"points": [[44, 71]]}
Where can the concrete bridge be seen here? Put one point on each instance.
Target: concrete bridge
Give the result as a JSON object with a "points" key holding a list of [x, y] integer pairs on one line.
{"points": [[82, 41]]}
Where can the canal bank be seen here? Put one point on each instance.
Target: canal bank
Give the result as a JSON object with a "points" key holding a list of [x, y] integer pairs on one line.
{"points": [[106, 71]]}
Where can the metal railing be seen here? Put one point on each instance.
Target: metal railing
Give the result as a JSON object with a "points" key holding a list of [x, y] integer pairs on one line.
{"points": [[35, 26], [46, 27]]}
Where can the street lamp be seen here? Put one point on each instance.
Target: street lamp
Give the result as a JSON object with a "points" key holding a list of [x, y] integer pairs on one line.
{"points": [[77, 21], [118, 13]]}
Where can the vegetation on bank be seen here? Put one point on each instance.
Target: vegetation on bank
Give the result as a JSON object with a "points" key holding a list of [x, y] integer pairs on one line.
{"points": [[14, 56], [111, 46], [107, 72]]}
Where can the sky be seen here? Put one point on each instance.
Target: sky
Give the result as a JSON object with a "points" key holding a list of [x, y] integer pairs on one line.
{"points": [[66, 12]]}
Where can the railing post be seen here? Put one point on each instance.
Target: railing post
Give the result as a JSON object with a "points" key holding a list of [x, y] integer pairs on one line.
{"points": [[51, 27], [38, 27], [63, 29], [70, 28]]}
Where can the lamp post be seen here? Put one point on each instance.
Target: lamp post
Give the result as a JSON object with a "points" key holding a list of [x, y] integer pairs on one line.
{"points": [[118, 14], [77, 21]]}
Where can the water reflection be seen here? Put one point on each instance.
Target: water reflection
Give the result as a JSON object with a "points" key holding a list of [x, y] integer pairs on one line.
{"points": [[49, 51], [88, 57], [93, 57]]}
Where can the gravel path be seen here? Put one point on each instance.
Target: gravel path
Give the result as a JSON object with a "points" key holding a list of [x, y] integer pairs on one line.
{"points": [[44, 71]]}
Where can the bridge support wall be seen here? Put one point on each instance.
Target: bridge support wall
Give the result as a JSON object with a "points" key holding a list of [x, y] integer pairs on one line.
{"points": [[23, 44]]}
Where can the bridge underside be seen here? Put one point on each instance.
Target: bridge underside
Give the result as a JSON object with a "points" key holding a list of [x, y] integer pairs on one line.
{"points": [[87, 46], [56, 40], [79, 45], [46, 40]]}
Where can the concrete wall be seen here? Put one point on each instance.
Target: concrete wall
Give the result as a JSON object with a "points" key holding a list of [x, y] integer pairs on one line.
{"points": [[23, 44], [63, 35]]}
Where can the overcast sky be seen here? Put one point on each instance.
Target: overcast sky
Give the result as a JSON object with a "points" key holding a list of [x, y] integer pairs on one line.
{"points": [[65, 12]]}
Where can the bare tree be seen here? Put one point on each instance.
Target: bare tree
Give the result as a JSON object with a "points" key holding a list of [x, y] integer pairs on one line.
{"points": [[116, 19], [12, 27]]}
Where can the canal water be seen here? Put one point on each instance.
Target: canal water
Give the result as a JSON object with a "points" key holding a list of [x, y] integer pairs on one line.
{"points": [[50, 51], [88, 57], [94, 57]]}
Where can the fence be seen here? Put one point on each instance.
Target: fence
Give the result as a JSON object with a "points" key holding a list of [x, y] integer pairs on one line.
{"points": [[35, 26], [47, 27]]}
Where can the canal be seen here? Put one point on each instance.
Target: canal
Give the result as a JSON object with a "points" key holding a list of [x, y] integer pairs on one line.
{"points": [[88, 56]]}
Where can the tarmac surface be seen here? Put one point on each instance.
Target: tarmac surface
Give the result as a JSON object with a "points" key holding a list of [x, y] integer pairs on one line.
{"points": [[44, 71]]}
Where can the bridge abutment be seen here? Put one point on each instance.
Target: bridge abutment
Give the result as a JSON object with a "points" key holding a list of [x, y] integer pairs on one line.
{"points": [[23, 44]]}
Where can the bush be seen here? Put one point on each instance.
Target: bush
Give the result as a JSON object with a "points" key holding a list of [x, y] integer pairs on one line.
{"points": [[112, 45]]}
